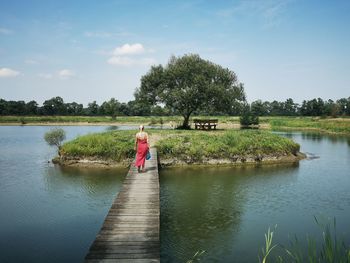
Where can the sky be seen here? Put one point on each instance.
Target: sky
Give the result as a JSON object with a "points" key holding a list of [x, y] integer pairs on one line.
{"points": [[87, 50]]}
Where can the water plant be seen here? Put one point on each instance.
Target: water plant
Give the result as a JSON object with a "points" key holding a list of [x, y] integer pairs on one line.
{"points": [[265, 251], [332, 249], [196, 256]]}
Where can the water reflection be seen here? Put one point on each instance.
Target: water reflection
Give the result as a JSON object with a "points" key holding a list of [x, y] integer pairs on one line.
{"points": [[202, 208], [317, 136]]}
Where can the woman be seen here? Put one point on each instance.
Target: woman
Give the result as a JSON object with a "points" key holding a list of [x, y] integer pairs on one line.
{"points": [[142, 146]]}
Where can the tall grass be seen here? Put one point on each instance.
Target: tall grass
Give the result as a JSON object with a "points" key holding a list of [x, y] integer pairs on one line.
{"points": [[114, 145], [196, 146], [319, 124], [188, 146], [331, 250]]}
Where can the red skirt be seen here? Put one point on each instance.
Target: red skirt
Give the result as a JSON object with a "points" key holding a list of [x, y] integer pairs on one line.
{"points": [[142, 149]]}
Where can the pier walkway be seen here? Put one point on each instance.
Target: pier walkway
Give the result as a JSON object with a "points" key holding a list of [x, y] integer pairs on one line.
{"points": [[130, 232]]}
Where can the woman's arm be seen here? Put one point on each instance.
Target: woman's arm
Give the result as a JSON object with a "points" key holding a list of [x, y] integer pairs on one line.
{"points": [[147, 140], [135, 146]]}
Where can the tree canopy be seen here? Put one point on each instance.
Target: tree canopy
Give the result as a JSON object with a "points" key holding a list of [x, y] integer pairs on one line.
{"points": [[188, 84]]}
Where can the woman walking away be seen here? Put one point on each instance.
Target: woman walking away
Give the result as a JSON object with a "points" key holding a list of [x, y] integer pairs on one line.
{"points": [[142, 146]]}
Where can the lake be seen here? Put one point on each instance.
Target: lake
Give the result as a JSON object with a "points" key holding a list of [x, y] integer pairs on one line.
{"points": [[51, 214]]}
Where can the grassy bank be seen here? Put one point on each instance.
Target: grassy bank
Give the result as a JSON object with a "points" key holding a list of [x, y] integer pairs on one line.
{"points": [[146, 120], [329, 125], [86, 119], [186, 147]]}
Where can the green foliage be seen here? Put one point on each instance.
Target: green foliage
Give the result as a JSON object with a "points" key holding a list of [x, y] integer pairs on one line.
{"points": [[188, 84], [55, 137], [114, 145], [196, 146], [332, 249], [248, 117], [265, 252], [111, 107], [309, 123], [188, 146]]}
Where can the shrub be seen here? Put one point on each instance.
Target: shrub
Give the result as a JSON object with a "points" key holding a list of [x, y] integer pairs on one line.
{"points": [[55, 137], [248, 117]]}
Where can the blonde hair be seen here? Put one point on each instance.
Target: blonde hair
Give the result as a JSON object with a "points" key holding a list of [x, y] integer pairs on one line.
{"points": [[141, 128]]}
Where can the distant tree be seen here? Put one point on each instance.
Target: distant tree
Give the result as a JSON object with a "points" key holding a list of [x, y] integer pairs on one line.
{"points": [[3, 107], [290, 108], [92, 109], [344, 105], [54, 106], [55, 137], [16, 107], [189, 83], [139, 107], [31, 108], [259, 108], [124, 109], [74, 108], [111, 107], [276, 108]]}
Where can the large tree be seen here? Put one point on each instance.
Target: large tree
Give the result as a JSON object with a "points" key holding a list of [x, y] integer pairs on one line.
{"points": [[111, 107], [190, 83]]}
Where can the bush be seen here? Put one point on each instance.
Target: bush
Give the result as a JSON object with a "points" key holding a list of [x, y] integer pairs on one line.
{"points": [[55, 137], [248, 117]]}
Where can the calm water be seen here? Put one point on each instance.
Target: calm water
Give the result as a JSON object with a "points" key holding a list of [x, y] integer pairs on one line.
{"points": [[49, 214], [226, 211]]}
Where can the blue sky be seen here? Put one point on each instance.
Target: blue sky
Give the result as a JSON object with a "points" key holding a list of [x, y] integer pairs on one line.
{"points": [[94, 50]]}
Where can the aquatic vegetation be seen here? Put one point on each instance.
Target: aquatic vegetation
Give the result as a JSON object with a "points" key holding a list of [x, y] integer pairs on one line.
{"points": [[332, 249]]}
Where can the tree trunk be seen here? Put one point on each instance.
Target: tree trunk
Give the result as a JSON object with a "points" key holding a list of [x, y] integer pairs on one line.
{"points": [[185, 124]]}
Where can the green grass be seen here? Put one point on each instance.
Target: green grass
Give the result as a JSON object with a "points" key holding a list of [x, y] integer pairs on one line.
{"points": [[117, 146], [331, 125], [195, 146], [101, 119], [189, 146]]}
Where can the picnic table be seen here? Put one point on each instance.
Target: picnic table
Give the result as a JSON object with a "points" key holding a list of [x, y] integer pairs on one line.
{"points": [[207, 124]]}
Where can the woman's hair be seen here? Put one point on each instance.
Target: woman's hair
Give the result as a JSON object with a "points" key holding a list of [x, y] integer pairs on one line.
{"points": [[141, 127]]}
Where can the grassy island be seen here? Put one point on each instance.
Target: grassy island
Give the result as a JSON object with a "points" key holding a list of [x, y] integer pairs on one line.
{"points": [[176, 147]]}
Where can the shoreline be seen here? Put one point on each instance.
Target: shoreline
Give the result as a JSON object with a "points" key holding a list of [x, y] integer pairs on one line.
{"points": [[169, 125], [167, 163], [68, 124]]}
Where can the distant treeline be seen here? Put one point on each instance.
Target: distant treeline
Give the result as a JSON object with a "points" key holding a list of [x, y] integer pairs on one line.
{"points": [[56, 106]]}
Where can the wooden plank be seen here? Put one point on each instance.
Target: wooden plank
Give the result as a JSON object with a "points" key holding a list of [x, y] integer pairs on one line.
{"points": [[130, 232], [123, 256], [155, 260]]}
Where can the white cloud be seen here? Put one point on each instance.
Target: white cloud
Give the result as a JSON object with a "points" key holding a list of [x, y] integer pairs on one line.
{"points": [[8, 73], [5, 31], [66, 73], [127, 61], [45, 75], [127, 49]]}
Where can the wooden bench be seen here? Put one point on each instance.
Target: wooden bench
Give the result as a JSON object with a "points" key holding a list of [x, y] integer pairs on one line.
{"points": [[205, 124]]}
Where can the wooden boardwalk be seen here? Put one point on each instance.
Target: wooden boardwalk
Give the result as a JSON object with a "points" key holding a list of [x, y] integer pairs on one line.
{"points": [[130, 232]]}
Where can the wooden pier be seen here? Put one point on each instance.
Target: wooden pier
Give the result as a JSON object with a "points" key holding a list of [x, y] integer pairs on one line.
{"points": [[130, 232]]}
